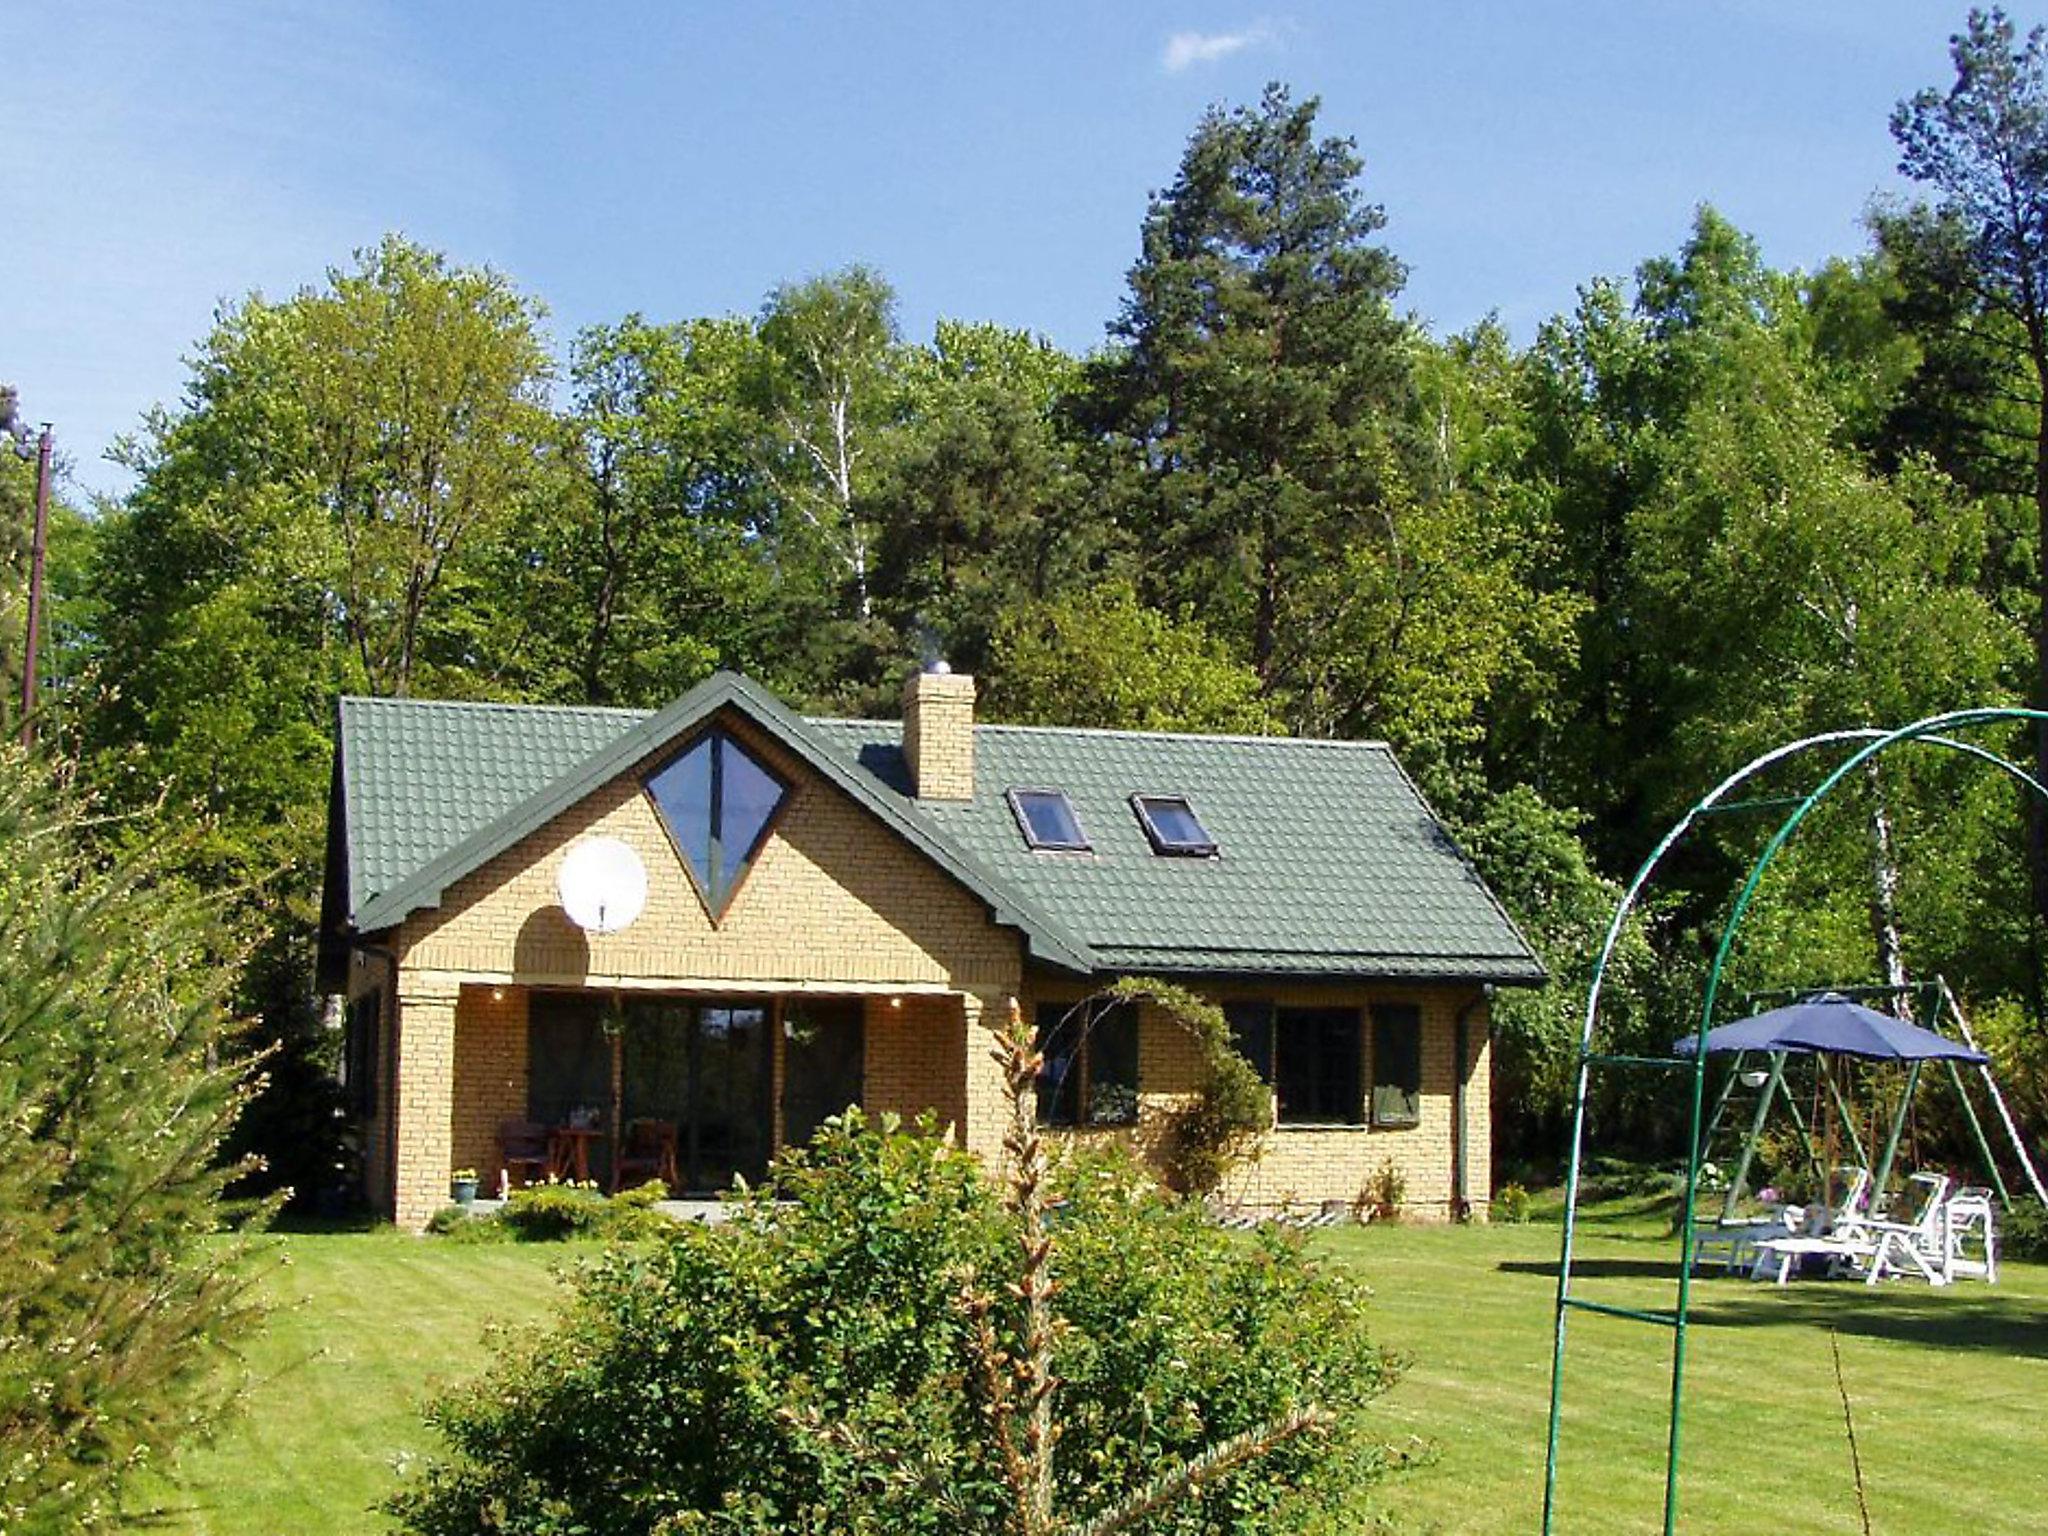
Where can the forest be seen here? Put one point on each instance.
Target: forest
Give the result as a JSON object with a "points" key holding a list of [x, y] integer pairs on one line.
{"points": [[1573, 579]]}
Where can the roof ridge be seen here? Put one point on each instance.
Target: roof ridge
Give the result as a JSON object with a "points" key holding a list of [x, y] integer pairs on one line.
{"points": [[514, 706], [1372, 743]]}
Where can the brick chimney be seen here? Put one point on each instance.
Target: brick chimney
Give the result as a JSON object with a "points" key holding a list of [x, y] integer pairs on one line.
{"points": [[938, 734]]}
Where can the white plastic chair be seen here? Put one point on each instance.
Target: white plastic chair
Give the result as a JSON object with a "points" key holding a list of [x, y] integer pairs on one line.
{"points": [[1969, 1217], [1919, 1247], [1840, 1234]]}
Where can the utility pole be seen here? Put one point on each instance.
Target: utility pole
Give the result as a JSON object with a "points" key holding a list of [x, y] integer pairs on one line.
{"points": [[37, 547]]}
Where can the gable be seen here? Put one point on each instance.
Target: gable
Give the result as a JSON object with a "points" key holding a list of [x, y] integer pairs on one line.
{"points": [[385, 801], [829, 897]]}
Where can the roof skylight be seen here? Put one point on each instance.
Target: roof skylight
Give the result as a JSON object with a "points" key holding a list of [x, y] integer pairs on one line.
{"points": [[1172, 825], [1046, 818]]}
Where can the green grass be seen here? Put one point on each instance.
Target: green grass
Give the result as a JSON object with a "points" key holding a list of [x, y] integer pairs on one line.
{"points": [[366, 1327], [1946, 1387]]}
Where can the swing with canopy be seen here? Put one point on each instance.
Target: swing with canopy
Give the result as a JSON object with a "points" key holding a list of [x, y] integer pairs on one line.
{"points": [[1852, 751], [1852, 1235]]}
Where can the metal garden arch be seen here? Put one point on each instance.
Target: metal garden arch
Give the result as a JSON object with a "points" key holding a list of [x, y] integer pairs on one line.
{"points": [[1931, 731]]}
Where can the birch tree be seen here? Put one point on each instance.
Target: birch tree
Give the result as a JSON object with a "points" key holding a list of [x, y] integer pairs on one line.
{"points": [[829, 343]]}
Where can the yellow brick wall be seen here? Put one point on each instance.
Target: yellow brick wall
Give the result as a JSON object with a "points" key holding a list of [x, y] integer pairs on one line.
{"points": [[490, 1076], [1299, 1165], [916, 1059], [424, 1088]]}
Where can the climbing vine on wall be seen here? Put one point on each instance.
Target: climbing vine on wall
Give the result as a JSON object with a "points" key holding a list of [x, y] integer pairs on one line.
{"points": [[1219, 1127]]}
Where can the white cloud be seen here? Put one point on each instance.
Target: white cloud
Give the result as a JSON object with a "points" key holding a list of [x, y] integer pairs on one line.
{"points": [[1184, 50]]}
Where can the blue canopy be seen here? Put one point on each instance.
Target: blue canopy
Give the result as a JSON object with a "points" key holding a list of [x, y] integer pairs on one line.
{"points": [[1830, 1022]]}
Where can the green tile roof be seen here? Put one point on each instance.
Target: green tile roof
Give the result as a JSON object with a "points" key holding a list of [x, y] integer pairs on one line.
{"points": [[1330, 862], [421, 775]]}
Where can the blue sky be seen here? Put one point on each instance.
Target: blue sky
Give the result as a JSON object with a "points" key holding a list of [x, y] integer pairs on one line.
{"points": [[680, 159]]}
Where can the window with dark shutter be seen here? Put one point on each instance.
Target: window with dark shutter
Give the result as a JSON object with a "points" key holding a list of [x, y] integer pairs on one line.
{"points": [[1090, 1071], [359, 1052], [1251, 1034], [1396, 1064]]}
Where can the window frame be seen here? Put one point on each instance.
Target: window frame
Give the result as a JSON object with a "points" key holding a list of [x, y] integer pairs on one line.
{"points": [[1082, 1070], [362, 1035], [717, 904], [1031, 839], [1355, 1104], [1388, 1016], [1167, 847]]}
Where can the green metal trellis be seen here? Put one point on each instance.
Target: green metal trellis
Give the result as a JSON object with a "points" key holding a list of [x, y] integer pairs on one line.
{"points": [[1867, 743]]}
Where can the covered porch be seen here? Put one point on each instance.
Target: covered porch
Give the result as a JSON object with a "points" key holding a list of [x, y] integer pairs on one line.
{"points": [[696, 1086]]}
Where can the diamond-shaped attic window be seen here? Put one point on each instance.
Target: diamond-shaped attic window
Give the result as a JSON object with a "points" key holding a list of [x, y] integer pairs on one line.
{"points": [[717, 802]]}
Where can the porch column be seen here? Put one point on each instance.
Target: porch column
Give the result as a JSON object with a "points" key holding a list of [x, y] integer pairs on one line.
{"points": [[423, 1100], [988, 1100]]}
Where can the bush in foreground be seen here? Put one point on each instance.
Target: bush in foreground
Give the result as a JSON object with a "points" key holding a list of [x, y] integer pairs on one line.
{"points": [[827, 1360], [115, 1302]]}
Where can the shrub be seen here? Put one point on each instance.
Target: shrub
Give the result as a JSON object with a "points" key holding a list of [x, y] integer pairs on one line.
{"points": [[552, 1211], [1220, 1126], [1386, 1192], [117, 1299], [1511, 1204], [819, 1363], [2023, 1230], [556, 1212]]}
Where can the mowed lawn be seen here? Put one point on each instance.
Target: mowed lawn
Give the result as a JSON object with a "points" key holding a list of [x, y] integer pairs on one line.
{"points": [[1947, 1388]]}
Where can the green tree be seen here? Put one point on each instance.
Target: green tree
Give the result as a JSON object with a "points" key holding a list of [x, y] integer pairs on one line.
{"points": [[829, 347], [1756, 575], [1259, 387], [976, 497], [1103, 658], [639, 571], [1446, 624], [119, 1302], [1982, 148], [302, 526]]}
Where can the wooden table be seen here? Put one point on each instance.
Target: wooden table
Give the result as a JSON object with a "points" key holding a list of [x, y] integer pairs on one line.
{"points": [[569, 1151]]}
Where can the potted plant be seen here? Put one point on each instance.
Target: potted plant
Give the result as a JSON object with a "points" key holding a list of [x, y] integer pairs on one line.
{"points": [[462, 1184]]}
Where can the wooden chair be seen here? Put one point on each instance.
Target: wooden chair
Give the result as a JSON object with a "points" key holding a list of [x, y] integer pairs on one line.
{"points": [[648, 1151], [522, 1152]]}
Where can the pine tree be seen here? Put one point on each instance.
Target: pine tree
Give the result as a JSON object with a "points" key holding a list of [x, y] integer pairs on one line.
{"points": [[117, 1299], [1262, 381]]}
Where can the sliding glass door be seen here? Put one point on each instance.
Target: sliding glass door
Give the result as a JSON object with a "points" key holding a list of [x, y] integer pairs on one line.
{"points": [[705, 1069], [823, 1048]]}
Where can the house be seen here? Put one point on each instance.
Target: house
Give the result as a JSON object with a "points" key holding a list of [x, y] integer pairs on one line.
{"points": [[835, 911]]}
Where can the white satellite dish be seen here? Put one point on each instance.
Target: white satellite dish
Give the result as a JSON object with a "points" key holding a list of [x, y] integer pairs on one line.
{"points": [[603, 885]]}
